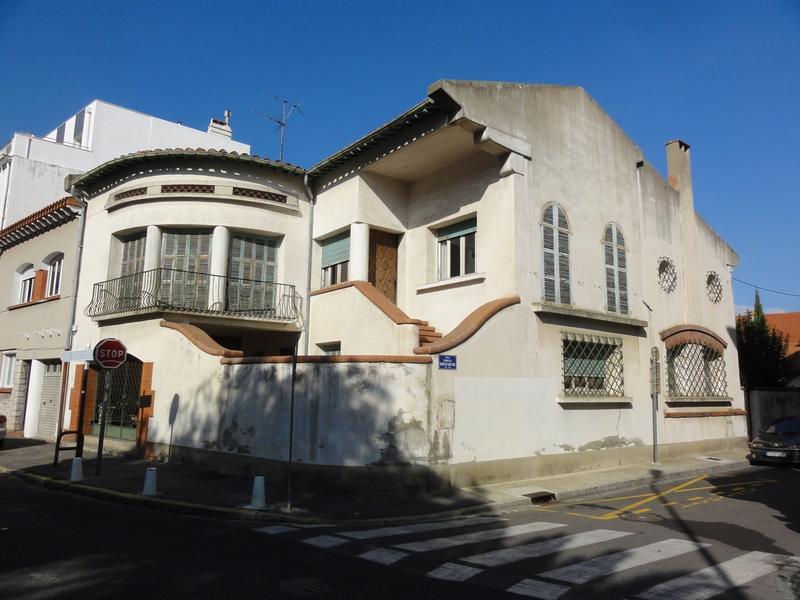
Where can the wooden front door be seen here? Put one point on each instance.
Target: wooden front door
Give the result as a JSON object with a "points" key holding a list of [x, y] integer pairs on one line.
{"points": [[383, 262]]}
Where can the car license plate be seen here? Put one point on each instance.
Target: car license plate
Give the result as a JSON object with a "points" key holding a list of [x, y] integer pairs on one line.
{"points": [[776, 454]]}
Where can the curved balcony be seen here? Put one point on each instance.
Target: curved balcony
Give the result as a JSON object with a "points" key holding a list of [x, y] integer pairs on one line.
{"points": [[173, 290]]}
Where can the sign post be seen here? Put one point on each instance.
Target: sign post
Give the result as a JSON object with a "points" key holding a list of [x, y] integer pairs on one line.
{"points": [[109, 354]]}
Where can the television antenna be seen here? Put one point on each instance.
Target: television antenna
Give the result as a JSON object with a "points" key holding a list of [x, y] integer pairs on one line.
{"points": [[287, 109]]}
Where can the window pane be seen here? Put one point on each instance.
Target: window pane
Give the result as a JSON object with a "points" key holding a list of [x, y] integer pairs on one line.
{"points": [[455, 257], [469, 253], [443, 263]]}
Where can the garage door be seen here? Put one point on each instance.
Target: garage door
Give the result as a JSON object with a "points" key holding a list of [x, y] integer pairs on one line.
{"points": [[48, 413]]}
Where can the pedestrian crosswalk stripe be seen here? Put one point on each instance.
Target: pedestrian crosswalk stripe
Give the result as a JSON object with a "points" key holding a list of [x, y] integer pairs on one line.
{"points": [[369, 534], [620, 561], [479, 536], [716, 579], [325, 541], [538, 589], [559, 544], [454, 572], [275, 529], [384, 556]]}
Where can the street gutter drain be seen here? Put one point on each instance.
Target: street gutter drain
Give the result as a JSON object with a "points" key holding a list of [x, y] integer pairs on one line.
{"points": [[542, 497], [304, 587]]}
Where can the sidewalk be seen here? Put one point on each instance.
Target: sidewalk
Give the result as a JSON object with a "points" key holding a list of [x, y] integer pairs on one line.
{"points": [[192, 490]]}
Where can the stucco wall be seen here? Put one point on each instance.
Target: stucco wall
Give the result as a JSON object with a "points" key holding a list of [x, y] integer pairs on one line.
{"points": [[38, 330], [347, 316]]}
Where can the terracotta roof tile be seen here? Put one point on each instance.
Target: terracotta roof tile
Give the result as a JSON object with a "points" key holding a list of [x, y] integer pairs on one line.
{"points": [[55, 208], [789, 325]]}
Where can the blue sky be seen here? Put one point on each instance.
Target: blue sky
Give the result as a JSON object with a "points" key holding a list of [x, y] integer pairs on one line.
{"points": [[723, 76]]}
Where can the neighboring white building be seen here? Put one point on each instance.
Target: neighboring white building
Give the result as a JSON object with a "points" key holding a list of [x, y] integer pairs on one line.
{"points": [[40, 241], [32, 168], [489, 277]]}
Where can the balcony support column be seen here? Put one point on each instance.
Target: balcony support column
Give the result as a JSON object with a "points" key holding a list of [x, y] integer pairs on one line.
{"points": [[358, 269], [152, 248], [220, 242]]}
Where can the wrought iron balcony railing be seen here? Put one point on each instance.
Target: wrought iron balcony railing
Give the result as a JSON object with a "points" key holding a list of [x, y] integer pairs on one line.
{"points": [[187, 291]]}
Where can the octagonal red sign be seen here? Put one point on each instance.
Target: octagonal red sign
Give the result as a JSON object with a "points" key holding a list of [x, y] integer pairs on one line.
{"points": [[110, 353]]}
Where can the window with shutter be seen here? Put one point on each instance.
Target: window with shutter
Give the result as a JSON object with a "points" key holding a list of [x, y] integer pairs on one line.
{"points": [[456, 254], [335, 258], [184, 274], [252, 264], [615, 270], [131, 268], [555, 255]]}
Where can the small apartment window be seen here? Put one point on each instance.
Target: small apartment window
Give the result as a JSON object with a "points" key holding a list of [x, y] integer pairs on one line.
{"points": [[7, 370], [592, 365], [80, 120], [60, 133], [26, 285], [616, 268], [54, 275], [331, 348], [456, 245], [335, 258], [695, 371], [555, 255]]}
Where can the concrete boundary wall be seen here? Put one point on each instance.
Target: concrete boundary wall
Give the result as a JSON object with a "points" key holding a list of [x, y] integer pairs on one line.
{"points": [[767, 405]]}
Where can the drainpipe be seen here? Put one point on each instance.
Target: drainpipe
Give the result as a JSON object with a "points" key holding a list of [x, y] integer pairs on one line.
{"points": [[313, 200], [72, 323]]}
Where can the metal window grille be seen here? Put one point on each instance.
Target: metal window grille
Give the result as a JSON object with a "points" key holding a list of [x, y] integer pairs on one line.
{"points": [[591, 365], [184, 188], [667, 276], [259, 194], [713, 287], [131, 193], [695, 371]]}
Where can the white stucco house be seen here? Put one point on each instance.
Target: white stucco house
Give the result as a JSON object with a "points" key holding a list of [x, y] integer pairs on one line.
{"points": [[491, 286], [41, 241]]}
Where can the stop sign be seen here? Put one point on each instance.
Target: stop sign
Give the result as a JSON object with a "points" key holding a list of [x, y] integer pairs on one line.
{"points": [[110, 353]]}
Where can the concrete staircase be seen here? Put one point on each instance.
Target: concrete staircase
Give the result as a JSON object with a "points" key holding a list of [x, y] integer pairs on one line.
{"points": [[427, 333]]}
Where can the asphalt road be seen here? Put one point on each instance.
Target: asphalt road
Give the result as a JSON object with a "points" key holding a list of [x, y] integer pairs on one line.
{"points": [[733, 536]]}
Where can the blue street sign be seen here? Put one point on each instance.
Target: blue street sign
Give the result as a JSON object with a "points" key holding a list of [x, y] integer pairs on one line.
{"points": [[447, 361]]}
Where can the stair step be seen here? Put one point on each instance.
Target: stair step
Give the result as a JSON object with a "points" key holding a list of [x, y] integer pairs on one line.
{"points": [[429, 338]]}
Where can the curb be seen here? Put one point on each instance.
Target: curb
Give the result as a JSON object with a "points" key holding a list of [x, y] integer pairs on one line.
{"points": [[642, 481], [220, 512], [240, 514]]}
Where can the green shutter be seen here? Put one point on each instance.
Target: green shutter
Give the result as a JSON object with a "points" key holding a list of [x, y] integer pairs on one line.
{"points": [[457, 229], [336, 250]]}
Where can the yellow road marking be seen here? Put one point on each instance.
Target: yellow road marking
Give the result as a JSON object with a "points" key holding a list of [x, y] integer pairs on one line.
{"points": [[641, 510], [616, 513], [683, 491]]}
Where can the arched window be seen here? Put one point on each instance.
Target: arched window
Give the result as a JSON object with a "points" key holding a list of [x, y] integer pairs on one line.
{"points": [[616, 269], [55, 263], [555, 254], [27, 274]]}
